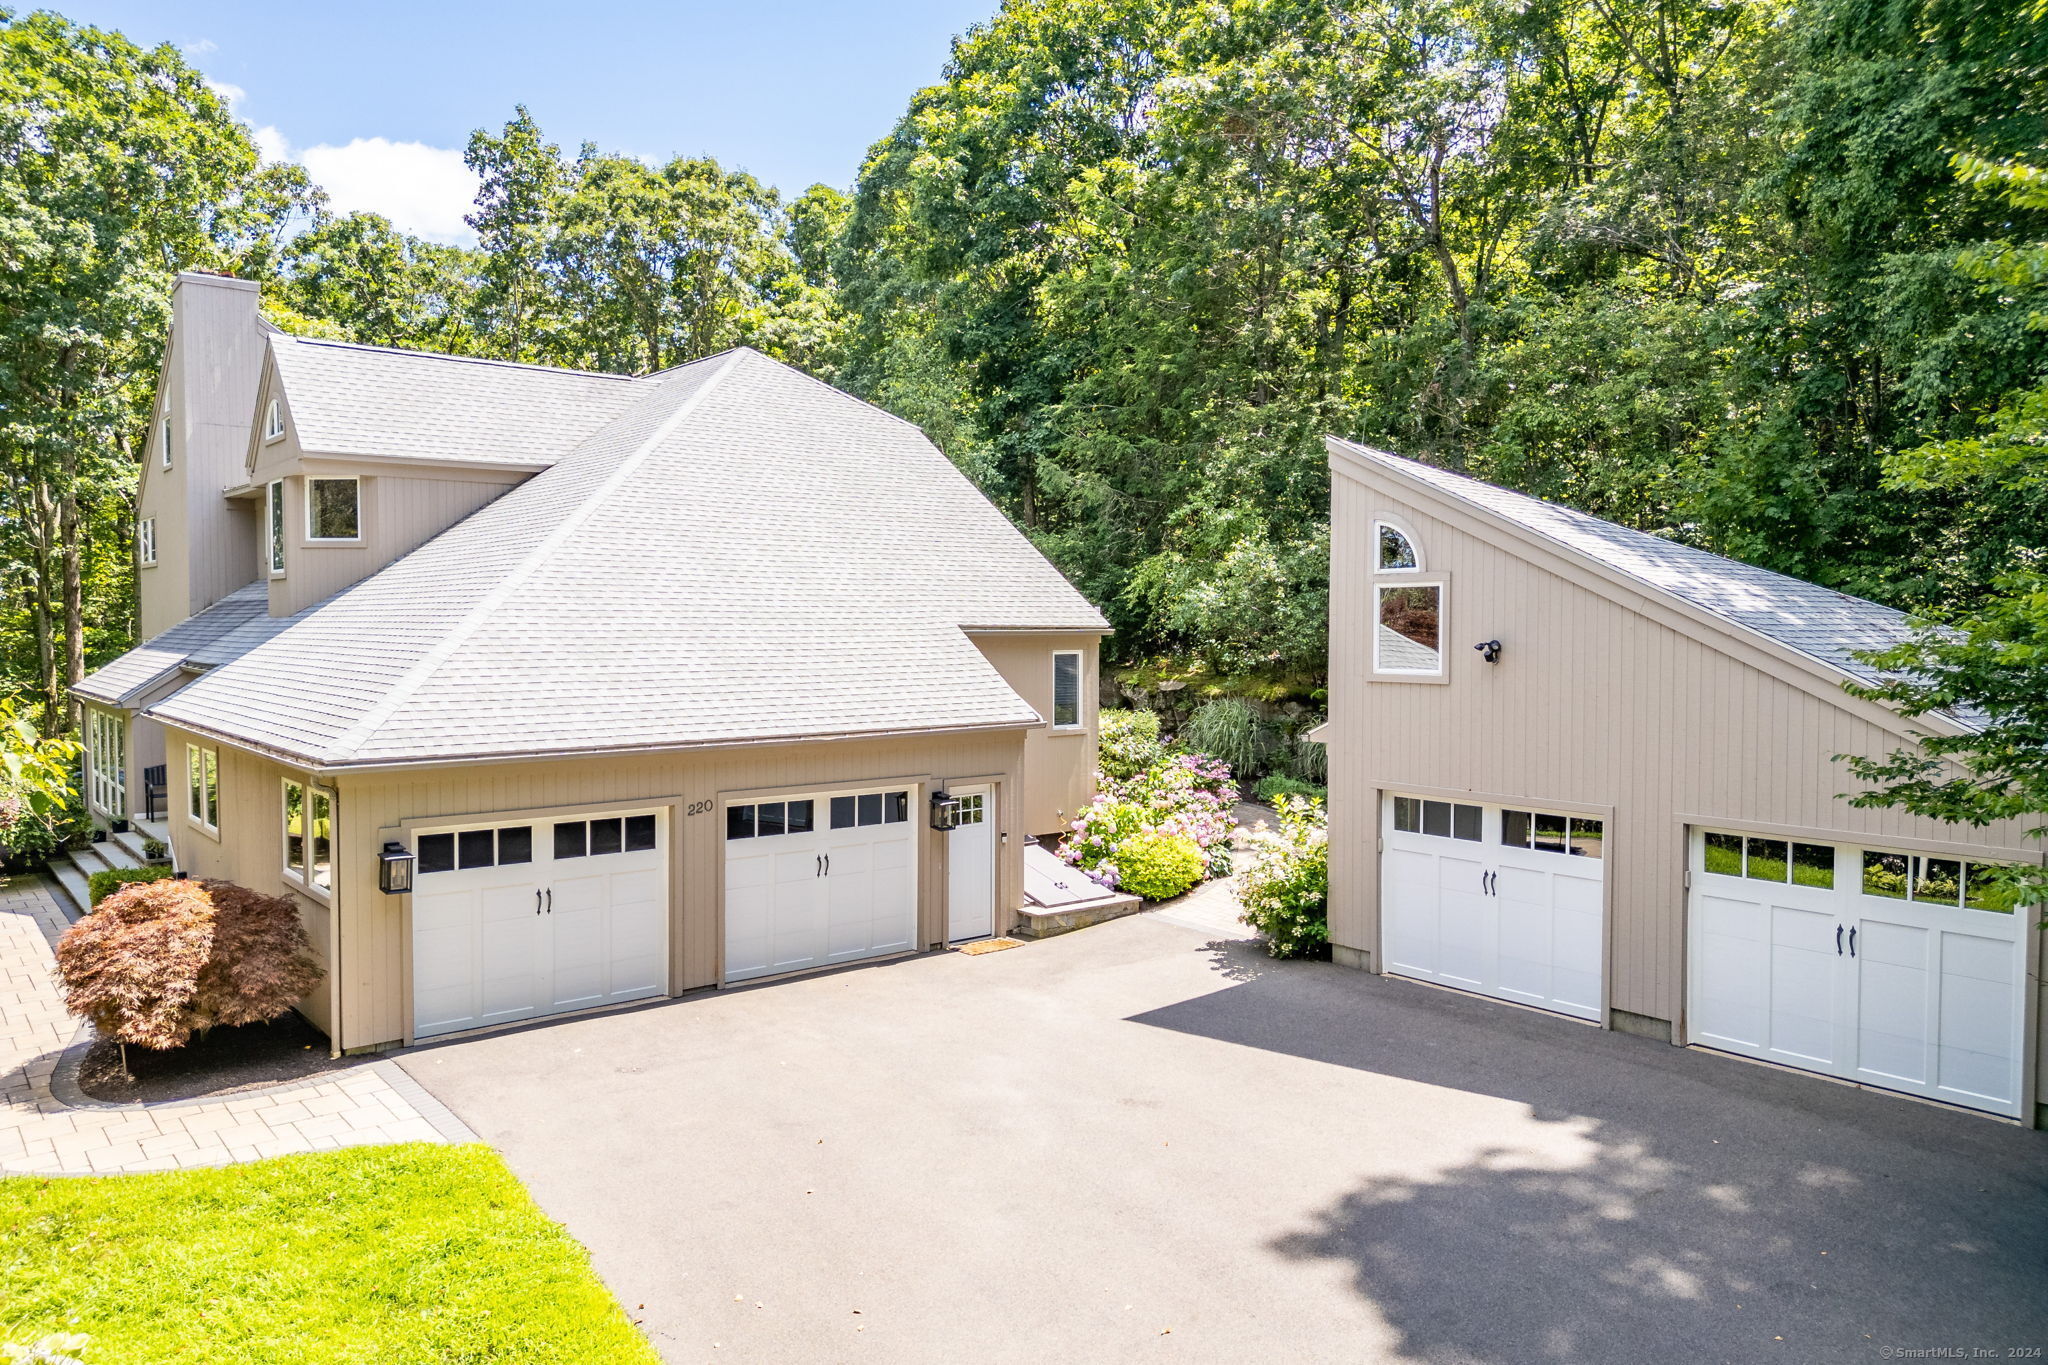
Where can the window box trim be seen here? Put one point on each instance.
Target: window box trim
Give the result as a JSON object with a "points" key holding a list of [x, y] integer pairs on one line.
{"points": [[1442, 673], [273, 528], [313, 540], [1080, 722], [196, 817]]}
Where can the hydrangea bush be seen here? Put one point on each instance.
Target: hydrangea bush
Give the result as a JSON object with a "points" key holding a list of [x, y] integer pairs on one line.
{"points": [[1185, 797], [1285, 889]]}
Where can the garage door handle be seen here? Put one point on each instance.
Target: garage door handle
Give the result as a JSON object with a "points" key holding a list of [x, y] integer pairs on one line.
{"points": [[819, 861], [1852, 943], [1838, 940], [536, 902], [551, 900], [828, 864]]}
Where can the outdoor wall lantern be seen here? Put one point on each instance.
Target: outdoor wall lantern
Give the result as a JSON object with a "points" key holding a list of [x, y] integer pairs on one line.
{"points": [[945, 811], [1489, 650], [394, 869]]}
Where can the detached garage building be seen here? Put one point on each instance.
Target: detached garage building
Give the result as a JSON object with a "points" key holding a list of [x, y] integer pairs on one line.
{"points": [[1593, 771], [656, 683]]}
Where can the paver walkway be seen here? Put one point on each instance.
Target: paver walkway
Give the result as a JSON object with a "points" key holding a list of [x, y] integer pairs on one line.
{"points": [[42, 1133]]}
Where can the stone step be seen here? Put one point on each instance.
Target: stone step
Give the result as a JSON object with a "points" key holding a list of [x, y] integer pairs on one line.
{"points": [[130, 842], [105, 854], [152, 829], [1045, 922], [76, 897]]}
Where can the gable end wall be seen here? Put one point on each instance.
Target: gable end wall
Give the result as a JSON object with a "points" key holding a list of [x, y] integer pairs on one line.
{"points": [[1593, 706]]}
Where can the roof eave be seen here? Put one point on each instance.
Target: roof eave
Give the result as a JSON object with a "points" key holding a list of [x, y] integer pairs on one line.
{"points": [[1814, 675]]}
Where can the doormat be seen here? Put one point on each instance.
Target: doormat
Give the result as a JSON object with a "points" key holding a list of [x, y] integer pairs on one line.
{"points": [[991, 945]]}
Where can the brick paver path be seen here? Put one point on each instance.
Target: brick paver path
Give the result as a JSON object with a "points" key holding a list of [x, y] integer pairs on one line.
{"points": [[43, 1134]]}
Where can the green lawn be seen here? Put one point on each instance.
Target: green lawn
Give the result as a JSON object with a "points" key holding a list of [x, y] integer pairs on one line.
{"points": [[368, 1256]]}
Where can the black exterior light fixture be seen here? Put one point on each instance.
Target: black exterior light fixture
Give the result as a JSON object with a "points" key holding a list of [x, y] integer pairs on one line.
{"points": [[945, 811], [1489, 650], [394, 869]]}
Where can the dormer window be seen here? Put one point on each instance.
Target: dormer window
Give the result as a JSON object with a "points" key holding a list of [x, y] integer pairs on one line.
{"points": [[1396, 551], [273, 420], [164, 441], [333, 509]]}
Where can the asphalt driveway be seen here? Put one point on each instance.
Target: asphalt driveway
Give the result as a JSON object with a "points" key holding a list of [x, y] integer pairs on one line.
{"points": [[1140, 1143]]}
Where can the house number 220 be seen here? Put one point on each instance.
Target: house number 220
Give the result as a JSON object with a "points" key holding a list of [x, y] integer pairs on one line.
{"points": [[699, 808]]}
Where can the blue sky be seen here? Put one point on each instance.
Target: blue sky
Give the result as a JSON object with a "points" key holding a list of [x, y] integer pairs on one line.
{"points": [[378, 98]]}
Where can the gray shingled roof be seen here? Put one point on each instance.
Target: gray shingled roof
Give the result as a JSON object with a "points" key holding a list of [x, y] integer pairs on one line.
{"points": [[118, 683], [742, 554], [369, 401], [1820, 623]]}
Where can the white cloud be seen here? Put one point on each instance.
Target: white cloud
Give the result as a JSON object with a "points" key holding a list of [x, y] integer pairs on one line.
{"points": [[200, 48], [230, 95], [272, 145], [422, 190]]}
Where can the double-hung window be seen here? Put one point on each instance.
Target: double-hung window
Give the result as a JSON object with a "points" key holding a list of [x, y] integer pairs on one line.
{"points": [[145, 541], [274, 506], [1066, 689], [309, 836], [202, 787]]}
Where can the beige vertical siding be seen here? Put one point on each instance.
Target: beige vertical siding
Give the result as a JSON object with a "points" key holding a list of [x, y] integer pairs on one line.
{"points": [[249, 849], [1059, 766], [206, 545], [1595, 703], [371, 931], [399, 513]]}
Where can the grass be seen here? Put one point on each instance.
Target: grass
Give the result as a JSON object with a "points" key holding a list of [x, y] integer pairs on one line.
{"points": [[367, 1256]]}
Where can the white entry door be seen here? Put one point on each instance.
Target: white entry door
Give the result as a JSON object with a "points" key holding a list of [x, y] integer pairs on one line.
{"points": [[817, 880], [1500, 901], [971, 867], [1892, 969], [519, 921]]}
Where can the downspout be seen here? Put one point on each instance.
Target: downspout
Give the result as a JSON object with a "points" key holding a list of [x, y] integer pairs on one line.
{"points": [[334, 974]]}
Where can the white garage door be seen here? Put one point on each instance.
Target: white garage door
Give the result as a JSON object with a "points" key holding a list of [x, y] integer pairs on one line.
{"points": [[515, 921], [1891, 969], [1493, 899], [816, 880]]}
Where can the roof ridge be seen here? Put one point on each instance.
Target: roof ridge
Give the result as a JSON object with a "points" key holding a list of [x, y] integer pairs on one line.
{"points": [[334, 344], [347, 743]]}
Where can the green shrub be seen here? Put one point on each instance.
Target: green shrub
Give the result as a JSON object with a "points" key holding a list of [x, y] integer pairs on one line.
{"points": [[1128, 742], [154, 849], [1271, 789], [104, 884], [1158, 867], [1285, 892], [1229, 730]]}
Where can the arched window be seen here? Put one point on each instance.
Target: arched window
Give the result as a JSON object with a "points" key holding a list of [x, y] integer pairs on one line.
{"points": [[273, 421], [1396, 551]]}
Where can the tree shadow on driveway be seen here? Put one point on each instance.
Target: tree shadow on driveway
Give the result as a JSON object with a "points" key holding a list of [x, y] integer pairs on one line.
{"points": [[1651, 1203]]}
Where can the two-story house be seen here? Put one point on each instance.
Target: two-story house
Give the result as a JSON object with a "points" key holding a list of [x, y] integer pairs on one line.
{"points": [[542, 690]]}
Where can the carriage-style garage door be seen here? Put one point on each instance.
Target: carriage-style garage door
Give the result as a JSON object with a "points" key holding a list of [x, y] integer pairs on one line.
{"points": [[1892, 969], [1503, 901], [816, 880], [517, 920]]}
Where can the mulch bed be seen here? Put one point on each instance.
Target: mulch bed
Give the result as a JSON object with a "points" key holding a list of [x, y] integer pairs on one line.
{"points": [[223, 1061]]}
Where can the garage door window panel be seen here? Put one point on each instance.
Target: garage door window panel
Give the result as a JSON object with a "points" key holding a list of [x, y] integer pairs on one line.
{"points": [[607, 836], [515, 845], [640, 832], [1438, 819]]}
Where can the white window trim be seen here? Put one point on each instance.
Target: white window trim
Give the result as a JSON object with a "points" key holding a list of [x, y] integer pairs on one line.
{"points": [[145, 542], [273, 528], [197, 817], [1441, 673], [1080, 722], [164, 439], [302, 877], [273, 421], [1414, 546], [355, 539]]}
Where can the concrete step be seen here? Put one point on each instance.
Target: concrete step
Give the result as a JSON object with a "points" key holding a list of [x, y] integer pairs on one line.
{"points": [[152, 829], [76, 897]]}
